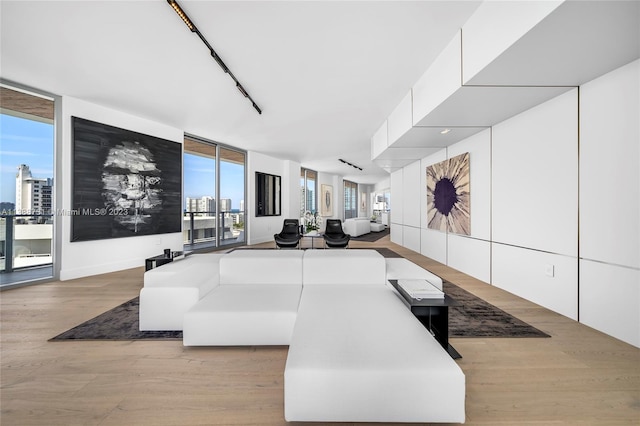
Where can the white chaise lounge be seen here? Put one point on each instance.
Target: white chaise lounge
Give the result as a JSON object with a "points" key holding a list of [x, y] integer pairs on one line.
{"points": [[359, 355]]}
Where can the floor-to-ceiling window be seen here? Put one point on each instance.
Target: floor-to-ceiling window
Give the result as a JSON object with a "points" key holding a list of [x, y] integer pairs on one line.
{"points": [[26, 191], [308, 191], [232, 195], [350, 199], [214, 194]]}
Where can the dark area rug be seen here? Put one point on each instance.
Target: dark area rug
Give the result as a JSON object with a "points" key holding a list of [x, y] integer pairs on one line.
{"points": [[119, 323], [372, 236], [473, 318]]}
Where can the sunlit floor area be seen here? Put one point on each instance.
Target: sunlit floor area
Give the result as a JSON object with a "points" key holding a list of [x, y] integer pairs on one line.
{"points": [[578, 376]]}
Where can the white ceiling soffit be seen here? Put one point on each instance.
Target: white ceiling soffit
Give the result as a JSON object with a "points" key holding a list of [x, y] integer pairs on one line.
{"points": [[484, 106], [325, 73], [434, 137], [577, 42]]}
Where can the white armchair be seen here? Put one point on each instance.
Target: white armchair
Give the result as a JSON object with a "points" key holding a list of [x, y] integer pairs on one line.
{"points": [[356, 226]]}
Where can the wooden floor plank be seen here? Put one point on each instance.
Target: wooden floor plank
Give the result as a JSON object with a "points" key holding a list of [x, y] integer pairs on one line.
{"points": [[578, 376]]}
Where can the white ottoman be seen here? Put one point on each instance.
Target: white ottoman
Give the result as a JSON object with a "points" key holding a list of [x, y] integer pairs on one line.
{"points": [[376, 227]]}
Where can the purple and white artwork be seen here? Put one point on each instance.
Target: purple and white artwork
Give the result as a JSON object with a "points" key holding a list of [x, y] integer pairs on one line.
{"points": [[448, 196], [124, 183]]}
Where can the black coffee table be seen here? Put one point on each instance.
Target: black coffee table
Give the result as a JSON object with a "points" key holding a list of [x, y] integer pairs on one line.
{"points": [[434, 315]]}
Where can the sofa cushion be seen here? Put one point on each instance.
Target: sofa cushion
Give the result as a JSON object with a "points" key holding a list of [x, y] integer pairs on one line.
{"points": [[241, 314], [400, 268], [353, 266], [262, 267], [369, 360]]}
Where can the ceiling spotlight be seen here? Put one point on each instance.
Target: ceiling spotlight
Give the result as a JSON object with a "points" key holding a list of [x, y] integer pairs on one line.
{"points": [[174, 4], [445, 131]]}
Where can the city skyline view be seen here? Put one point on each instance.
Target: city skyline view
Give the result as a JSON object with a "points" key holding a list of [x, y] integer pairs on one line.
{"points": [[30, 142]]}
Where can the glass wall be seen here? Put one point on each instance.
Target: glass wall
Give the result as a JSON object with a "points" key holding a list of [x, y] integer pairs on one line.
{"points": [[26, 191], [350, 199], [308, 191], [214, 194]]}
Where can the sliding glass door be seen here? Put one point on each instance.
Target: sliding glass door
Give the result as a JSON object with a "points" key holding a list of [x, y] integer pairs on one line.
{"points": [[26, 192], [214, 194]]}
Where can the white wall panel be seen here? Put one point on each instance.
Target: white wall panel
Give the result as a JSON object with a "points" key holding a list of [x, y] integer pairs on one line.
{"points": [[495, 26], [412, 193], [526, 273], [610, 167], [479, 148], [379, 141], [411, 238], [469, 255], [535, 177], [610, 300], [400, 121], [439, 82], [433, 244], [396, 234], [397, 197]]}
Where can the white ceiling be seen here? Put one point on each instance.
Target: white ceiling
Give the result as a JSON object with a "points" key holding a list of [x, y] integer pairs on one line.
{"points": [[326, 74]]}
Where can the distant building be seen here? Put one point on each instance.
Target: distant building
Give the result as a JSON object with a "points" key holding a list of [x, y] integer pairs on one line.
{"points": [[33, 195], [203, 204], [225, 204], [242, 205]]}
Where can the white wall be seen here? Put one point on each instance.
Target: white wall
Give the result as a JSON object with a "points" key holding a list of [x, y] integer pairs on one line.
{"points": [[397, 218], [535, 204], [533, 177], [261, 229], [610, 203], [80, 259]]}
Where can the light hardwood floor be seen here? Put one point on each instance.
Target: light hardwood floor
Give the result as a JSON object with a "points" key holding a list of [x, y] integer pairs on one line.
{"points": [[578, 376]]}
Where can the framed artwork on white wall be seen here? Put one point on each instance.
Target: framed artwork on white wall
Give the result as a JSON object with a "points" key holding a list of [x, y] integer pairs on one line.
{"points": [[448, 195], [326, 200]]}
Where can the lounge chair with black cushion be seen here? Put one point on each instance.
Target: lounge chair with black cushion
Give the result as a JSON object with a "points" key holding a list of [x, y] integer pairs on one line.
{"points": [[290, 236], [334, 236]]}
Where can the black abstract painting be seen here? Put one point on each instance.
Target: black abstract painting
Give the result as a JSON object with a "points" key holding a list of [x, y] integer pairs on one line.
{"points": [[125, 183], [448, 196]]}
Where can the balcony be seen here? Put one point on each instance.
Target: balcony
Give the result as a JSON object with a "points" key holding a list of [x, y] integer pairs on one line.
{"points": [[25, 248], [200, 229]]}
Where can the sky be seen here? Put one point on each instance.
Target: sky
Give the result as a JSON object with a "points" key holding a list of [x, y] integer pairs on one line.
{"points": [[30, 142], [27, 142]]}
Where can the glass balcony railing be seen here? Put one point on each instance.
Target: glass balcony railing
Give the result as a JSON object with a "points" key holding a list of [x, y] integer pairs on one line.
{"points": [[25, 241], [208, 229]]}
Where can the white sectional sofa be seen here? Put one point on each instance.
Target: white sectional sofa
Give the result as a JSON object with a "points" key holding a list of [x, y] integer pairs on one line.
{"points": [[357, 226], [356, 353]]}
